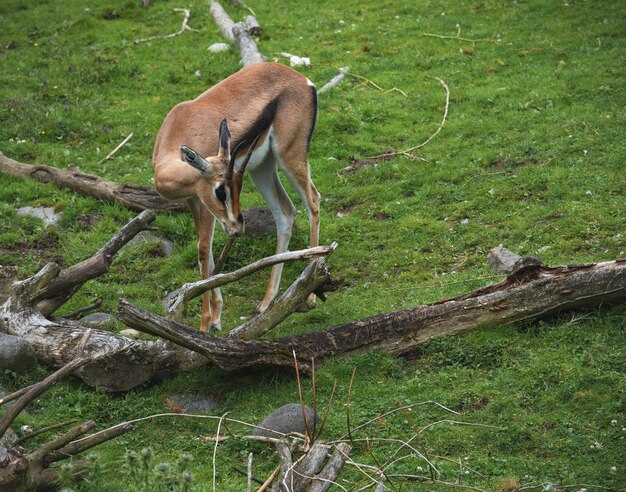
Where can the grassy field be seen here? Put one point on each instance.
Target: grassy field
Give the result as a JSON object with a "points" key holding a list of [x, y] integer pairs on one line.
{"points": [[531, 156]]}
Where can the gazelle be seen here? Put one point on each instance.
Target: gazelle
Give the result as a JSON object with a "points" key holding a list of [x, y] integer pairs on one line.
{"points": [[266, 113]]}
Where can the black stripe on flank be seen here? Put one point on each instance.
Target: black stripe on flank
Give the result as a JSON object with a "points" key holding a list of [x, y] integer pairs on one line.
{"points": [[262, 123], [313, 116]]}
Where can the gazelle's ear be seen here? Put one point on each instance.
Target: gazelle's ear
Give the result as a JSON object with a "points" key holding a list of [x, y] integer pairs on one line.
{"points": [[224, 152], [194, 159]]}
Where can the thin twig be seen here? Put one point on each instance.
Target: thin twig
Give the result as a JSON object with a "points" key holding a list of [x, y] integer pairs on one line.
{"points": [[407, 152], [269, 480], [114, 151], [30, 435], [86, 309], [458, 37], [348, 405], [395, 410], [217, 435], [330, 399], [222, 259], [302, 406], [183, 28]]}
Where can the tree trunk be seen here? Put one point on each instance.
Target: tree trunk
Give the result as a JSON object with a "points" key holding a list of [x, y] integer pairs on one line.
{"points": [[531, 292]]}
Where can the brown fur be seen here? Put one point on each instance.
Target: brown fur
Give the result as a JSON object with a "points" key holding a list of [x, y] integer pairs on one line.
{"points": [[252, 100]]}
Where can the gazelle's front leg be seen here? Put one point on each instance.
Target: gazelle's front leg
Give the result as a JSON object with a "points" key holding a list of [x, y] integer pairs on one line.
{"points": [[211, 300], [266, 180]]}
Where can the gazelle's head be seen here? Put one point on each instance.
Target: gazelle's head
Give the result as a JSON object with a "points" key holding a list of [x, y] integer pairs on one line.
{"points": [[220, 185]]}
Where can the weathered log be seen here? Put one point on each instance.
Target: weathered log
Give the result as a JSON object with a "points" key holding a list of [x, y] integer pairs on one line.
{"points": [[246, 45], [134, 197], [237, 34], [531, 292], [253, 26], [335, 81]]}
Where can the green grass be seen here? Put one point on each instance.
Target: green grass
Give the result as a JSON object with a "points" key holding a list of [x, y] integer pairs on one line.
{"points": [[531, 157]]}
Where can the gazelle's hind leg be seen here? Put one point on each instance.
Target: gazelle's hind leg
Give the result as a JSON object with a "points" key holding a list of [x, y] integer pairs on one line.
{"points": [[299, 178], [265, 178], [211, 300]]}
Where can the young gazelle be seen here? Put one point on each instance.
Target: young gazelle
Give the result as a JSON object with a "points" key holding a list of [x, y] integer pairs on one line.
{"points": [[266, 114]]}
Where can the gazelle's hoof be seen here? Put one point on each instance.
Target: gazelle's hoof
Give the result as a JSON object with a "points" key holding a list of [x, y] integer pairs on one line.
{"points": [[215, 328]]}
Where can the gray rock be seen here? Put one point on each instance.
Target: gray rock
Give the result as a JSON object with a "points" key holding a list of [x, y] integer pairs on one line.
{"points": [[287, 418], [100, 321], [47, 214], [259, 222], [193, 403], [16, 354]]}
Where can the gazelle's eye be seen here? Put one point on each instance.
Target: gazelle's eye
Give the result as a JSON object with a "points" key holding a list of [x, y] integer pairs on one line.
{"points": [[220, 193]]}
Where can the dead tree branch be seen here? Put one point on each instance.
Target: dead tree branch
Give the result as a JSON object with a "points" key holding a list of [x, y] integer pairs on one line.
{"points": [[179, 299], [136, 198], [530, 292]]}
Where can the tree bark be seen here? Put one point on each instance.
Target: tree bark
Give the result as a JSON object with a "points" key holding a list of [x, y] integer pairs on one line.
{"points": [[237, 34], [136, 198], [128, 362], [531, 292]]}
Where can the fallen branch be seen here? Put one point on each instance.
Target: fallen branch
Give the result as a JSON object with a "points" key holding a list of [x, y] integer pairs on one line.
{"points": [[128, 362], [58, 291], [114, 151], [183, 28], [531, 292], [335, 81], [179, 299], [136, 198]]}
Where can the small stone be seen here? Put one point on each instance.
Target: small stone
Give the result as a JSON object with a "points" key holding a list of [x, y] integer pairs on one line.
{"points": [[47, 214], [164, 245], [286, 419], [218, 47], [259, 221], [130, 333], [193, 403]]}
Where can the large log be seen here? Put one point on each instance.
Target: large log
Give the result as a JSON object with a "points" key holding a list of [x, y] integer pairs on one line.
{"points": [[531, 292], [135, 197]]}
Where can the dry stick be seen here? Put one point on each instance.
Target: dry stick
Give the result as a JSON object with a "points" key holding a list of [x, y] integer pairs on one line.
{"points": [[86, 309], [30, 435], [249, 489], [189, 291], [407, 152], [348, 405], [419, 439], [335, 81], [114, 151], [469, 40], [304, 415], [330, 399], [395, 410], [217, 435], [269, 480], [184, 27], [222, 259]]}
